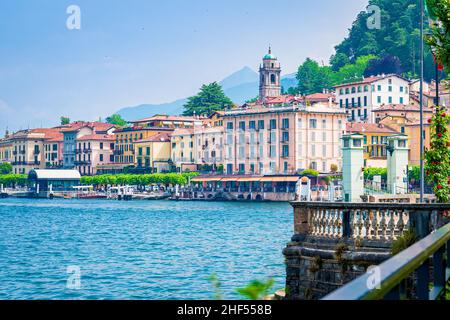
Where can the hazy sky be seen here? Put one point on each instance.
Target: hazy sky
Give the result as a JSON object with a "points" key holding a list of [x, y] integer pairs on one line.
{"points": [[131, 52]]}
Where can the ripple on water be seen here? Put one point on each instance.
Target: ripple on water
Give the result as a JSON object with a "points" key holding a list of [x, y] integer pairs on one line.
{"points": [[138, 249]]}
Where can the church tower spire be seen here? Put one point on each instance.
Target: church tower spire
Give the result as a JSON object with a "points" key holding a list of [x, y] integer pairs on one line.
{"points": [[270, 77]]}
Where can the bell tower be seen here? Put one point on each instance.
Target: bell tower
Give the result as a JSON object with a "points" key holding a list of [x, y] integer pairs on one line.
{"points": [[269, 77]]}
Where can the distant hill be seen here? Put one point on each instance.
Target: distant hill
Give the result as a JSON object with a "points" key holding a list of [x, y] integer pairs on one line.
{"points": [[240, 86]]}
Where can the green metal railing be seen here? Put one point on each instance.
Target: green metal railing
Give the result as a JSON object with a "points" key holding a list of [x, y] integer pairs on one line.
{"points": [[387, 281]]}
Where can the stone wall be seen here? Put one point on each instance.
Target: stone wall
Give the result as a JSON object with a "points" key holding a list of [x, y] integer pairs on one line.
{"points": [[316, 267]]}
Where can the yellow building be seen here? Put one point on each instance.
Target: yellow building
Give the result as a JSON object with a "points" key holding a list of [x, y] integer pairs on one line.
{"points": [[184, 149], [413, 132], [375, 140], [6, 150], [124, 154], [153, 154]]}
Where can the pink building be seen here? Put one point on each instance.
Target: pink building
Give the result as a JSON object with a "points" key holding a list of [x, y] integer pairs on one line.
{"points": [[94, 150]]}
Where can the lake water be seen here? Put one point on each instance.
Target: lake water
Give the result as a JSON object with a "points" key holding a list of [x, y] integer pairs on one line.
{"points": [[138, 249]]}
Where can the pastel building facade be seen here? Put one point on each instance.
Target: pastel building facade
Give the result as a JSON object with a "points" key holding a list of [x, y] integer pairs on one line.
{"points": [[92, 151], [6, 150], [183, 149], [360, 98], [283, 140], [75, 132], [153, 154]]}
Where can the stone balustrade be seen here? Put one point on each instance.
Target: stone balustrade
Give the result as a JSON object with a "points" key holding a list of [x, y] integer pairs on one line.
{"points": [[335, 243]]}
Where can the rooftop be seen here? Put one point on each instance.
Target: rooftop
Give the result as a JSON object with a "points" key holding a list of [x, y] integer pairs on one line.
{"points": [[162, 137], [369, 128]]}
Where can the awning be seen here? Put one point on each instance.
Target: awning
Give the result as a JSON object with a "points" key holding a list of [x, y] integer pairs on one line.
{"points": [[230, 179], [205, 179], [41, 174], [250, 179], [280, 179]]}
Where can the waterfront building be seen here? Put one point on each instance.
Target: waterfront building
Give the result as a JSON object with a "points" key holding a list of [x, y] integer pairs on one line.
{"points": [[283, 140], [183, 148], [360, 98], [375, 137], [46, 182], [92, 151], [280, 134], [124, 153], [28, 148], [75, 131], [170, 122], [6, 150], [209, 147], [53, 151], [152, 155]]}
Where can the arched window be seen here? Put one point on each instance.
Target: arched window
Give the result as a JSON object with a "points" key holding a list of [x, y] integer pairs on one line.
{"points": [[262, 78], [273, 78]]}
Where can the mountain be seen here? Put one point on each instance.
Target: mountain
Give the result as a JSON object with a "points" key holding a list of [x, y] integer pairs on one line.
{"points": [[243, 76], [240, 86]]}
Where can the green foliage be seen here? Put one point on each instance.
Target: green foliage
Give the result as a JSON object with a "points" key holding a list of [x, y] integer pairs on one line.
{"points": [[211, 98], [12, 180], [369, 173], [309, 173], [403, 242], [398, 36], [252, 100], [138, 179], [414, 173], [313, 78], [117, 120], [256, 290], [437, 158], [5, 168], [64, 120], [439, 39]]}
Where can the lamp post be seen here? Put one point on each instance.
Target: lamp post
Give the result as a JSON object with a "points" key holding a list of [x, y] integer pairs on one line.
{"points": [[422, 171]]}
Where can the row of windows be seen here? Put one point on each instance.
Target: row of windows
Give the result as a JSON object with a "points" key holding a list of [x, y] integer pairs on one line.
{"points": [[379, 88], [273, 124]]}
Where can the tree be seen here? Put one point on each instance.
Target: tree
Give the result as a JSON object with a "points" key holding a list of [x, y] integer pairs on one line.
{"points": [[439, 39], [399, 35], [5, 168], [338, 60], [437, 158], [313, 78], [64, 120], [387, 64], [211, 98], [117, 120]]}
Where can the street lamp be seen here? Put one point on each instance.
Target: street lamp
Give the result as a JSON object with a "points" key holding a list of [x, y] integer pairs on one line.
{"points": [[422, 170]]}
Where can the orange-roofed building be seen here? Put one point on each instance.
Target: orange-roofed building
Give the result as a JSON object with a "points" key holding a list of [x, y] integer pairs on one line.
{"points": [[375, 140], [75, 147], [32, 149], [93, 151]]}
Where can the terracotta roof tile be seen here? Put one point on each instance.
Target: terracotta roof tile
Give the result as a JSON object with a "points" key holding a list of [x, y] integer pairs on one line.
{"points": [[360, 127]]}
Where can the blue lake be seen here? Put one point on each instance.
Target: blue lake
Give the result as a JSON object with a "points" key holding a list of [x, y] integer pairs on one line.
{"points": [[139, 249]]}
